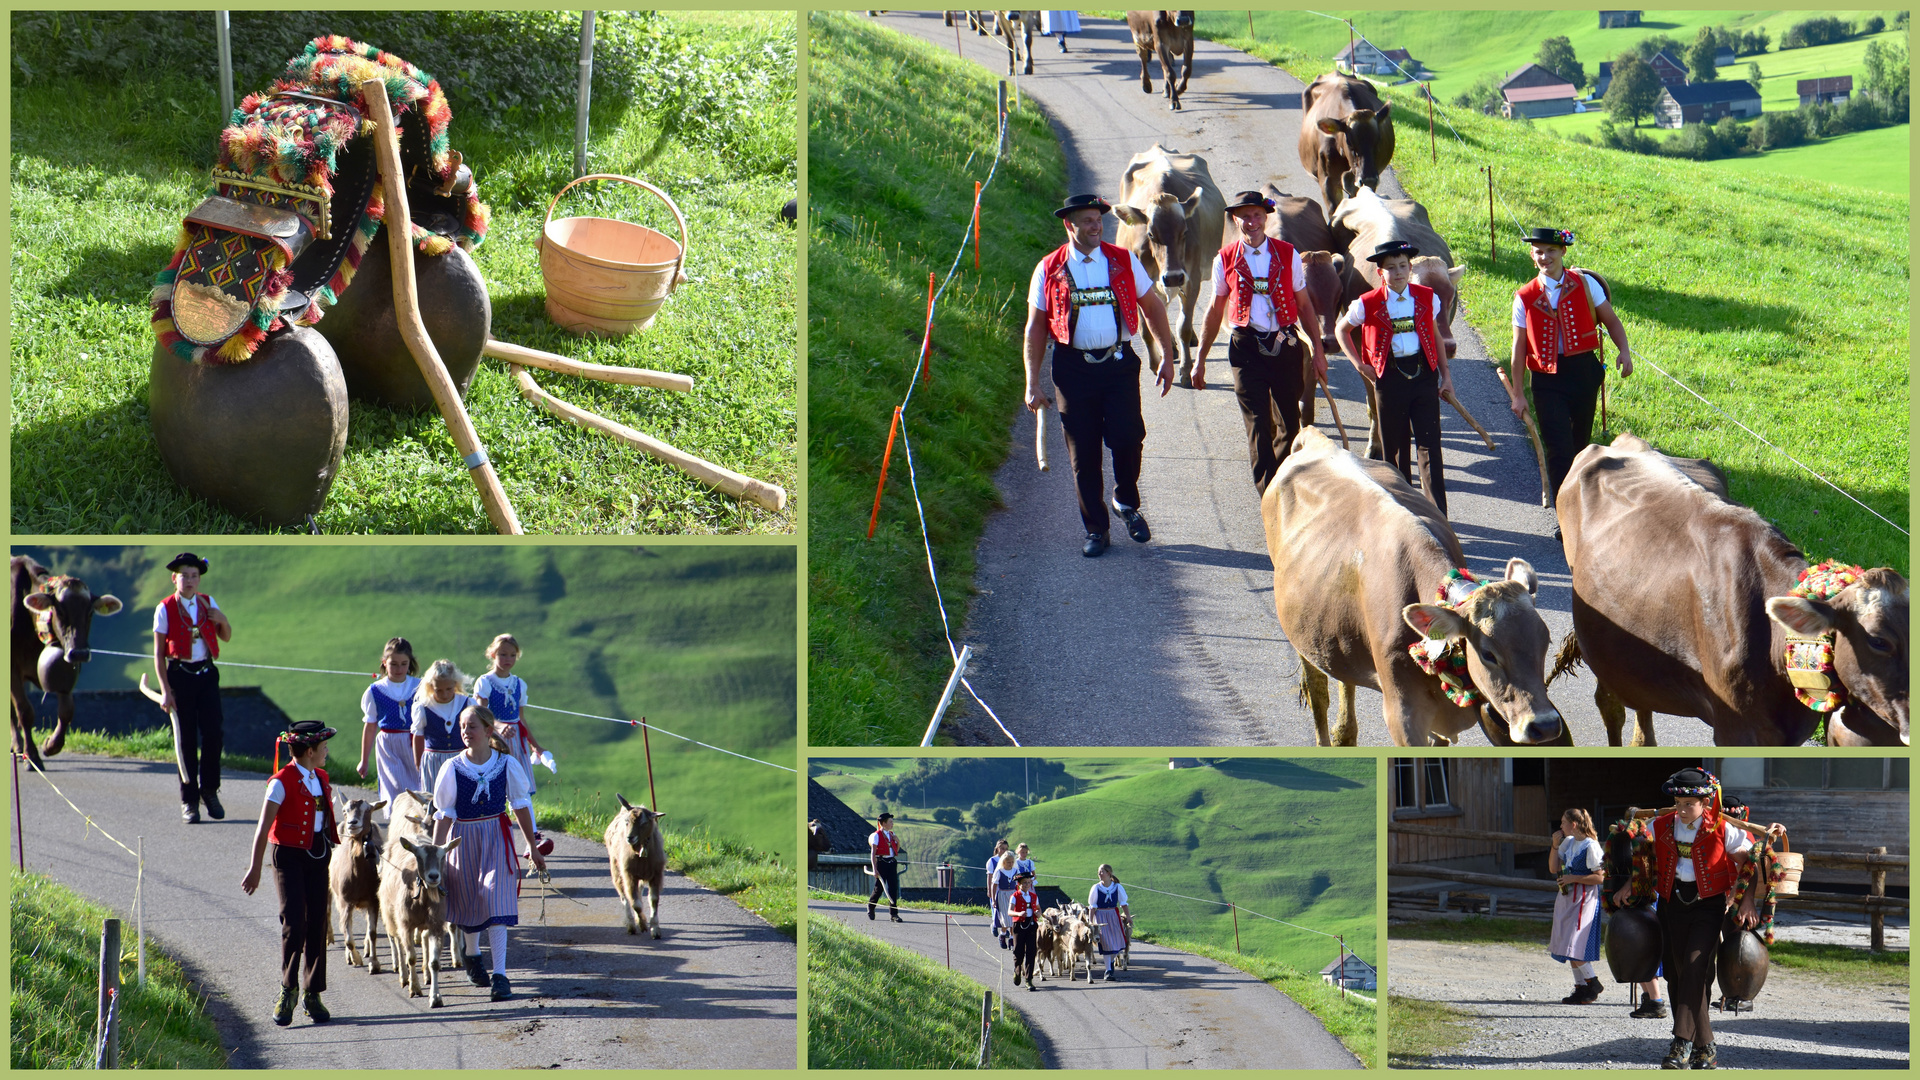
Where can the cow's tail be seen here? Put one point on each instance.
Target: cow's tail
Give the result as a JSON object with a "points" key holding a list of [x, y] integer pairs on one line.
{"points": [[1568, 659]]}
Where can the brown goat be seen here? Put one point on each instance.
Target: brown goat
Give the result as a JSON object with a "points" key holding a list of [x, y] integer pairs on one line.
{"points": [[353, 877], [637, 857], [413, 903]]}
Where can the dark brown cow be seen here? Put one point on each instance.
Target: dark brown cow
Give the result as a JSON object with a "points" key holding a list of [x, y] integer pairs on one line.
{"points": [[1680, 606], [1170, 34], [1346, 135], [1358, 558], [62, 609], [1301, 222], [1172, 216]]}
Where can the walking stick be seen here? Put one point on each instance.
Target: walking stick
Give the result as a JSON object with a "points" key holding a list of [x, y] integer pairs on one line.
{"points": [[1533, 433], [1334, 409], [520, 354], [406, 302], [1040, 437], [1468, 417], [1604, 431]]}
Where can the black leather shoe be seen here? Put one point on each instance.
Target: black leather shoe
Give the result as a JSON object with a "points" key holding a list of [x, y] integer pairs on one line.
{"points": [[1136, 526], [1677, 1052], [895, 916], [502, 990], [476, 973], [869, 914], [190, 813], [214, 809], [1096, 545]]}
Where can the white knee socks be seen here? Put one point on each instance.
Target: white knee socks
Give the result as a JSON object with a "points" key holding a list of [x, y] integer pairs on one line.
{"points": [[1583, 972], [497, 945]]}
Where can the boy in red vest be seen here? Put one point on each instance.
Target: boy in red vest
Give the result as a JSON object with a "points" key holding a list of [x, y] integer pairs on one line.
{"points": [[1405, 358], [1697, 854], [1556, 347], [1263, 283], [188, 628], [1023, 912], [1087, 299], [298, 817], [883, 859]]}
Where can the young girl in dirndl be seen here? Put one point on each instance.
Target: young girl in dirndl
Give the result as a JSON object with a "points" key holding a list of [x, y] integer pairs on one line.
{"points": [[1002, 893], [1108, 899], [1575, 860], [437, 706], [505, 695], [387, 737], [478, 793]]}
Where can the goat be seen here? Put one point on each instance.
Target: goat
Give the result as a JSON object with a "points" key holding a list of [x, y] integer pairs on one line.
{"points": [[413, 903], [637, 858], [412, 817], [353, 878]]}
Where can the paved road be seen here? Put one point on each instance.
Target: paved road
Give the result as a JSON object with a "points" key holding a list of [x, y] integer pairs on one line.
{"points": [[718, 990], [1175, 643], [1170, 1010]]}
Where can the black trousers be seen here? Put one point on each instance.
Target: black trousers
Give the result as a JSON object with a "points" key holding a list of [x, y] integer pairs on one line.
{"points": [[1566, 401], [1411, 407], [1268, 388], [1026, 945], [1692, 934], [1100, 403], [886, 879], [302, 881], [198, 727]]}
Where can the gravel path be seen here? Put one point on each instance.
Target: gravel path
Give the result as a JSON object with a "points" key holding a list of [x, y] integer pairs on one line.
{"points": [[1801, 1020]]}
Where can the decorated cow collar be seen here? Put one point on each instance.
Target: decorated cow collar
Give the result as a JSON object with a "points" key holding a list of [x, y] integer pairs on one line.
{"points": [[1810, 659], [1445, 660], [43, 619]]}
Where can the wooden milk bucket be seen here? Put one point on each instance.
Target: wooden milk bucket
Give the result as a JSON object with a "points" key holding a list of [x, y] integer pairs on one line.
{"points": [[1791, 864], [605, 276]]}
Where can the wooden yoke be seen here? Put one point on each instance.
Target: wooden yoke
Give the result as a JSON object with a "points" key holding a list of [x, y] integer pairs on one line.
{"points": [[1751, 826], [406, 304]]}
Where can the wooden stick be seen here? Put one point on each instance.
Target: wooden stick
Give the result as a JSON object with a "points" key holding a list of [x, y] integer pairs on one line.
{"points": [[1040, 438], [520, 354], [771, 496], [406, 302], [1533, 433], [1334, 409], [1750, 826], [1468, 417], [1603, 400]]}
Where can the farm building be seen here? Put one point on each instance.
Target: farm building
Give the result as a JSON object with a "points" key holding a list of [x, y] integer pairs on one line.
{"points": [[1672, 72], [1350, 973], [1614, 20], [837, 848], [1364, 58], [1829, 91], [1704, 103], [252, 720], [1536, 91], [1602, 79], [1723, 56]]}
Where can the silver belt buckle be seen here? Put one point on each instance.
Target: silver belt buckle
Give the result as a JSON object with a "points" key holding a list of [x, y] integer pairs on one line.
{"points": [[1110, 352]]}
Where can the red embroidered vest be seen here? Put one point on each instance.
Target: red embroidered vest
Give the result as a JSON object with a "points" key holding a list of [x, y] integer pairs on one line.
{"points": [[1712, 866], [884, 845], [293, 825], [1555, 332], [1241, 282], [180, 629], [1377, 329], [1058, 288], [1025, 905]]}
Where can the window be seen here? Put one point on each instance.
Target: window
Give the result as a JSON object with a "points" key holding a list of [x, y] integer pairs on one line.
{"points": [[1421, 786], [1838, 773]]}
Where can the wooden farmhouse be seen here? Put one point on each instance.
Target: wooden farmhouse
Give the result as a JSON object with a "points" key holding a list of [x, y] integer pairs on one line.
{"points": [[1705, 103], [1613, 20], [1671, 72], [837, 867], [1350, 973], [1536, 91], [1828, 91], [1364, 58]]}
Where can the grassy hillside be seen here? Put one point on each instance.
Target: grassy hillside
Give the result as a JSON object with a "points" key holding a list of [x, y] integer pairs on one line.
{"points": [[1879, 160], [898, 132], [697, 639]]}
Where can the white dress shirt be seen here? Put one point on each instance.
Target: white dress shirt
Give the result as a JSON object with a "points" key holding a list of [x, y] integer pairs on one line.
{"points": [[1097, 327], [1399, 306], [1261, 317]]}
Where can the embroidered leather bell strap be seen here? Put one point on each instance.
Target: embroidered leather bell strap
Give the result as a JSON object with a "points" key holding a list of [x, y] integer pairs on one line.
{"points": [[43, 620], [1810, 659], [1629, 862], [1444, 660], [1092, 297]]}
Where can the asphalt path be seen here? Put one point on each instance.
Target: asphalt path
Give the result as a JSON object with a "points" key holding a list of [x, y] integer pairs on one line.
{"points": [[1175, 642], [718, 990], [1168, 1010]]}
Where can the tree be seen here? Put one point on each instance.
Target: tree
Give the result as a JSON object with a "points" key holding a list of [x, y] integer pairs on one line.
{"points": [[1874, 25], [1634, 90], [1649, 47], [1700, 62], [1887, 67], [947, 815], [1753, 75], [1556, 55]]}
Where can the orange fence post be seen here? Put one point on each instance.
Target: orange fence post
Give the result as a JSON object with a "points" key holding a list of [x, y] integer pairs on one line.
{"points": [[885, 460], [976, 224]]}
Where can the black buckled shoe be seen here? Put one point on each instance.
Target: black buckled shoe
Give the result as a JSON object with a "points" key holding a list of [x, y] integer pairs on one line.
{"points": [[212, 802], [476, 972], [283, 1009], [1136, 526], [869, 912], [1677, 1053], [1095, 546], [190, 813], [315, 1011], [1705, 1057], [1650, 1009], [502, 990], [895, 916]]}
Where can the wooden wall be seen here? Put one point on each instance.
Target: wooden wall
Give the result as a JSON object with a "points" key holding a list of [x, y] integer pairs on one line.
{"points": [[1477, 794]]}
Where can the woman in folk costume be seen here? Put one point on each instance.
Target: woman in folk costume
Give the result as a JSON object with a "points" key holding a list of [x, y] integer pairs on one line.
{"points": [[1698, 857], [1575, 859], [437, 706], [478, 793], [387, 706], [1002, 894], [1023, 912], [1000, 847], [1108, 899], [298, 818], [1059, 24]]}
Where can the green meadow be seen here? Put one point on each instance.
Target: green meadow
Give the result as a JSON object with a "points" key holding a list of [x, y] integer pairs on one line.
{"points": [[699, 640]]}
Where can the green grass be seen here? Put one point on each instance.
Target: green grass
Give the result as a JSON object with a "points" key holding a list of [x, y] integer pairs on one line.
{"points": [[1856, 966], [1877, 160], [876, 1006], [917, 905], [1420, 1029], [697, 639], [1477, 929], [102, 172], [1355, 1023], [54, 979], [897, 134]]}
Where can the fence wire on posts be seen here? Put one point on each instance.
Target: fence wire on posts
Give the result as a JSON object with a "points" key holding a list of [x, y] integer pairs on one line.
{"points": [[960, 656], [139, 863], [1638, 353]]}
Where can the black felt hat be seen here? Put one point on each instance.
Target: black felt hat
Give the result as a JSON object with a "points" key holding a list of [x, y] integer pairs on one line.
{"points": [[1393, 247], [884, 817], [187, 558], [1561, 237], [304, 733], [1083, 202], [1691, 781], [1024, 875], [1244, 199]]}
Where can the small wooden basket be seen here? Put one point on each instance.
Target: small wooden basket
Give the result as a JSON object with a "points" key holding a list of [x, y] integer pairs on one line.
{"points": [[605, 276], [1791, 865]]}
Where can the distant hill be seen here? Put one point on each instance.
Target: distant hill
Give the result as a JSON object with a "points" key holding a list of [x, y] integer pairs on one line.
{"points": [[699, 640]]}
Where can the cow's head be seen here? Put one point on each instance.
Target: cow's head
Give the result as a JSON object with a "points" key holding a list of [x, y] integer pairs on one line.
{"points": [[63, 611], [638, 825], [430, 863], [1164, 243], [1178, 18], [1433, 272], [1506, 650], [1361, 136], [817, 838], [1868, 621]]}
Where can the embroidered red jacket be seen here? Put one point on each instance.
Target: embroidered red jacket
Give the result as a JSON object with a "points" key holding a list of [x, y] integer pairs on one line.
{"points": [[1377, 327], [1059, 288], [180, 628], [1713, 868], [1240, 282], [293, 825], [1566, 330]]}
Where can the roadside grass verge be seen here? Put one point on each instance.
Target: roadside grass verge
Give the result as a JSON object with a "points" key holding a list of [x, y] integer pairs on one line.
{"points": [[1473, 929], [917, 905], [1417, 1030], [871, 1005], [1355, 1023], [897, 134], [54, 979], [104, 168]]}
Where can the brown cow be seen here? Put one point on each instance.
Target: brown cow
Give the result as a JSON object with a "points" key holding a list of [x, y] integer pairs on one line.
{"points": [[1346, 135], [1170, 34], [1301, 222], [1172, 216], [1015, 29], [1358, 557], [51, 620], [1680, 606]]}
